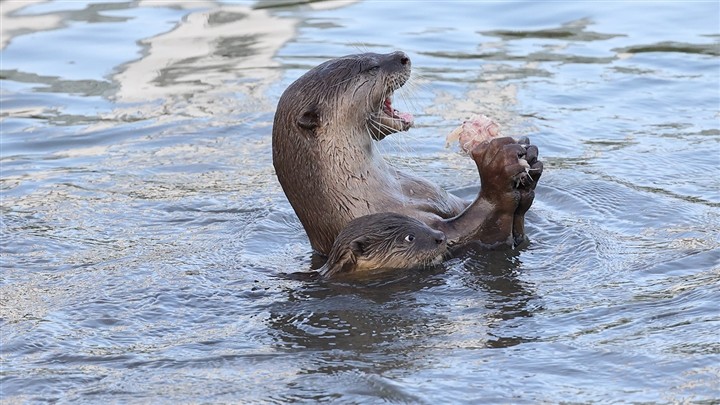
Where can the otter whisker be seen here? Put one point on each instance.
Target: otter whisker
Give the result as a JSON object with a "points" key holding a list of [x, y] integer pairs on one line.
{"points": [[360, 46], [368, 101], [412, 89], [372, 144], [381, 126], [418, 79], [402, 139], [386, 128]]}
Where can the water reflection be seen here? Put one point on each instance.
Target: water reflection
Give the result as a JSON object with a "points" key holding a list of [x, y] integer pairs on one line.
{"points": [[499, 276], [347, 320], [570, 31], [358, 315], [226, 71], [225, 74]]}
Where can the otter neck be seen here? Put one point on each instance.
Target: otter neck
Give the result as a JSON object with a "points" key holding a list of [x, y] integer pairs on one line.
{"points": [[351, 156]]}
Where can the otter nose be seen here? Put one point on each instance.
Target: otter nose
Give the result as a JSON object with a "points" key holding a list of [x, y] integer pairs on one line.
{"points": [[399, 57], [404, 59], [439, 238]]}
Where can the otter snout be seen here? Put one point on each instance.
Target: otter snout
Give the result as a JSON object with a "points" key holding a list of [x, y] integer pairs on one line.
{"points": [[397, 61]]}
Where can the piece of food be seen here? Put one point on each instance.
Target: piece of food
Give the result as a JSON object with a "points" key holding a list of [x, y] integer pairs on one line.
{"points": [[474, 131]]}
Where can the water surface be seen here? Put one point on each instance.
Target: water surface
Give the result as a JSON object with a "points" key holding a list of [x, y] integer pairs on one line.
{"points": [[147, 246]]}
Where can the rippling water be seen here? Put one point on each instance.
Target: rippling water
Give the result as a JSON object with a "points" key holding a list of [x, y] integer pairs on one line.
{"points": [[148, 250]]}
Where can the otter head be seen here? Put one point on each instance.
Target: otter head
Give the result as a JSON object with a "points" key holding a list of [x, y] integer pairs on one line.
{"points": [[353, 91], [384, 241]]}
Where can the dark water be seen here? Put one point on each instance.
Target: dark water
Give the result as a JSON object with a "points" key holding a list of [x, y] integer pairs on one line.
{"points": [[146, 244]]}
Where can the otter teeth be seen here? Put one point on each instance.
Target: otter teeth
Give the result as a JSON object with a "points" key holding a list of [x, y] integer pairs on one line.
{"points": [[388, 108]]}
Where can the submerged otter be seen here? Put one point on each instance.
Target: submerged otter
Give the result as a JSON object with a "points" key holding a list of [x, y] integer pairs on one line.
{"points": [[384, 241], [331, 172]]}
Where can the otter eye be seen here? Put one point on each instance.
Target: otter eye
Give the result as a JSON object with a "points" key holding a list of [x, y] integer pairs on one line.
{"points": [[410, 238]]}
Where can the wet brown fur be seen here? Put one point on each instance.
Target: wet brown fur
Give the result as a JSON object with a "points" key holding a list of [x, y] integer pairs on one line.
{"points": [[384, 241], [331, 172]]}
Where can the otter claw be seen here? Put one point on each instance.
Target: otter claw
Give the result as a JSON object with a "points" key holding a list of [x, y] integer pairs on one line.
{"points": [[523, 178]]}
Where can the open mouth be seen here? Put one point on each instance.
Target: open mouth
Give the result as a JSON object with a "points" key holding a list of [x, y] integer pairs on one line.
{"points": [[388, 120], [406, 119], [388, 109]]}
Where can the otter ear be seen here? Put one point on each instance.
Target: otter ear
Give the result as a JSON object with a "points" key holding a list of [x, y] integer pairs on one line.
{"points": [[310, 118], [343, 264], [357, 246]]}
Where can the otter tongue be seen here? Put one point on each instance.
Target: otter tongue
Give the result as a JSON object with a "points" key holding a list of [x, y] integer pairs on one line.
{"points": [[407, 117], [389, 110]]}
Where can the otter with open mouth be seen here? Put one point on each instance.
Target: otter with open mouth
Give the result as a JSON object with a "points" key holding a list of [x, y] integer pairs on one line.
{"points": [[331, 172]]}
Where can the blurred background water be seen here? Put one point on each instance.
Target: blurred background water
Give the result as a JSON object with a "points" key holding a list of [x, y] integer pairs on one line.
{"points": [[146, 242]]}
